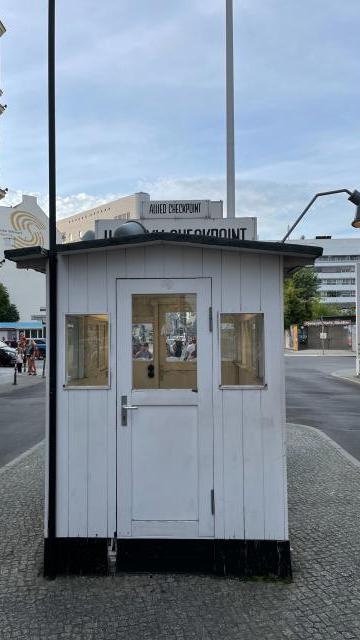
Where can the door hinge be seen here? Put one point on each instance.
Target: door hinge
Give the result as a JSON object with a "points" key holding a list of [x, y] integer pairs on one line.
{"points": [[210, 319], [212, 499]]}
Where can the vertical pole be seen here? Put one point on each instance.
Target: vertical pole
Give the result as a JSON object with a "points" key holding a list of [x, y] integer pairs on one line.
{"points": [[230, 117], [50, 554], [357, 318]]}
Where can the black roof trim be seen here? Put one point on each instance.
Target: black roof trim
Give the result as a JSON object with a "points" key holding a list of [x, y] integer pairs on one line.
{"points": [[252, 245]]}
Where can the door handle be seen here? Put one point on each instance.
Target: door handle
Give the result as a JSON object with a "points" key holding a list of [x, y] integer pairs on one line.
{"points": [[124, 409]]}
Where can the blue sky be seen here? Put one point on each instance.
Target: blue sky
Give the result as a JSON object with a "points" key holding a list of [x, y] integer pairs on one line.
{"points": [[141, 104]]}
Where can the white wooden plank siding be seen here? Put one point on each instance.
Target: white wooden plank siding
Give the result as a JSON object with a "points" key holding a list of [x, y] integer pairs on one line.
{"points": [[252, 423], [271, 403], [62, 451], [249, 450], [211, 260], [232, 411]]}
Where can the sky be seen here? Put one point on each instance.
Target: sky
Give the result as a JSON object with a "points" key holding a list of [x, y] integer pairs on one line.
{"points": [[141, 105]]}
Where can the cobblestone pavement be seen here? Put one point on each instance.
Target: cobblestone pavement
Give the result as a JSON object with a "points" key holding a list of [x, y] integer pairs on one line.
{"points": [[322, 602]]}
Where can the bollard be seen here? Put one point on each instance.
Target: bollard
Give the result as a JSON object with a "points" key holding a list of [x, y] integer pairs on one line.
{"points": [[15, 374], [43, 371]]}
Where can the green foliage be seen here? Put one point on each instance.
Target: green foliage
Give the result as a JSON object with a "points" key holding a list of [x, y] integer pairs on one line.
{"points": [[321, 309], [8, 311], [300, 293]]}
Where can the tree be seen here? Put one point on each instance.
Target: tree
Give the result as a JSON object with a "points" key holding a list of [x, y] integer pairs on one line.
{"points": [[8, 311], [300, 294]]}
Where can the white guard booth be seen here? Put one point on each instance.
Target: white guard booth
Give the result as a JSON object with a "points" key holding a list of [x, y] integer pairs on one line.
{"points": [[170, 429]]}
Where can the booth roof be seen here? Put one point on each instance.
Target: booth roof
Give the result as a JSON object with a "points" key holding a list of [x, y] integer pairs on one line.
{"points": [[295, 255]]}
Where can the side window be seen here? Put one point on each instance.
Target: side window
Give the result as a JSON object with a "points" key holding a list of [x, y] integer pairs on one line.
{"points": [[242, 349], [86, 350]]}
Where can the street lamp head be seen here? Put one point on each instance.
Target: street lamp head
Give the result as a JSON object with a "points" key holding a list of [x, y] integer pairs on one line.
{"points": [[355, 198], [356, 222]]}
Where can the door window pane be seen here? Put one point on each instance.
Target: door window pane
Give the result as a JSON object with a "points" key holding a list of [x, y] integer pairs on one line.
{"points": [[87, 350], [242, 349], [164, 341]]}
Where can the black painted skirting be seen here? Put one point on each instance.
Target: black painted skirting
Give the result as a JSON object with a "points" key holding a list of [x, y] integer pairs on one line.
{"points": [[242, 558]]}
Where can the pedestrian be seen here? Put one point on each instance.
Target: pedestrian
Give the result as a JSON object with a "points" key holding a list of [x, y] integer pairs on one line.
{"points": [[19, 360], [31, 354], [191, 349]]}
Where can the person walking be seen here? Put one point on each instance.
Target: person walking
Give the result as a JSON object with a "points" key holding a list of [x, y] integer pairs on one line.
{"points": [[31, 358], [19, 360]]}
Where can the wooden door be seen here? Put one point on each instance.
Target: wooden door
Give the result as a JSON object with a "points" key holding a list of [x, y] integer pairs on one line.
{"points": [[165, 442]]}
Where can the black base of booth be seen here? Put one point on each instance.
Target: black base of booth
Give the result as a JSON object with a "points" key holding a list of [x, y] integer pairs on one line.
{"points": [[242, 558]]}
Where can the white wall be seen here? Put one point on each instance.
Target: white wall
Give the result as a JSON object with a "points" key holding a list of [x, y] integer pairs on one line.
{"points": [[249, 445], [23, 226]]}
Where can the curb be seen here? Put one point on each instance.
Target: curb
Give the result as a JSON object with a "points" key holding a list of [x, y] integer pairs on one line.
{"points": [[335, 445], [336, 374], [21, 457]]}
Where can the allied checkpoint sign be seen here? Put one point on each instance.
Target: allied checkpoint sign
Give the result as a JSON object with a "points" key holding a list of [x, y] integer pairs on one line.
{"points": [[187, 217]]}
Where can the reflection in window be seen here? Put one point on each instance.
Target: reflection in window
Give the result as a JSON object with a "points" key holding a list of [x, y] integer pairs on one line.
{"points": [[242, 349], [87, 350], [164, 341]]}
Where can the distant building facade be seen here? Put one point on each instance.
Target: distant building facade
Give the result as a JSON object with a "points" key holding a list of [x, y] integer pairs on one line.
{"points": [[73, 228], [23, 225], [336, 269]]}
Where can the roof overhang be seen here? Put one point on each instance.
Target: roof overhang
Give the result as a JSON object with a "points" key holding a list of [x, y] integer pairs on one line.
{"points": [[295, 255]]}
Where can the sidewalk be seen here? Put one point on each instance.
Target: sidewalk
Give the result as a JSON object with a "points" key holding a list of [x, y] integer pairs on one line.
{"points": [[23, 382], [320, 352], [322, 602], [347, 374]]}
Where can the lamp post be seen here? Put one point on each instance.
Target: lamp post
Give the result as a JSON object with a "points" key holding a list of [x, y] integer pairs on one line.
{"points": [[230, 109], [354, 197], [50, 555]]}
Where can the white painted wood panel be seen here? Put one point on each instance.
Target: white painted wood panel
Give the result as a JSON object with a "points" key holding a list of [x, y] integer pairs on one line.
{"points": [[231, 282], [271, 401], [78, 283], [97, 463], [253, 466], [135, 262], [116, 268], [251, 414], [211, 260], [192, 262], [233, 464], [78, 463], [250, 282], [97, 282], [154, 261], [62, 451]]}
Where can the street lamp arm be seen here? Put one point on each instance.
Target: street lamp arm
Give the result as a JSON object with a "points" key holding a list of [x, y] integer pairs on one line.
{"points": [[317, 195]]}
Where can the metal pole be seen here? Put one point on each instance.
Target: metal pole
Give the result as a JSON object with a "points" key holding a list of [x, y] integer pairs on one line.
{"points": [[358, 318], [50, 552], [230, 117], [317, 195]]}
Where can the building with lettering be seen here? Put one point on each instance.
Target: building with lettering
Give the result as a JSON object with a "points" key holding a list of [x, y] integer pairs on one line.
{"points": [[186, 217]]}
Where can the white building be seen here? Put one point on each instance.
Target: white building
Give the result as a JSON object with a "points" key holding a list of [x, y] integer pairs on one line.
{"points": [[336, 268], [188, 217], [21, 226]]}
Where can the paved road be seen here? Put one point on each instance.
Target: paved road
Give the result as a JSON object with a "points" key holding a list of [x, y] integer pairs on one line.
{"points": [[316, 398], [22, 415]]}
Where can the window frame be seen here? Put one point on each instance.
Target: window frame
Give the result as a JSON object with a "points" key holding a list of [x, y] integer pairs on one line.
{"points": [[241, 387], [67, 387]]}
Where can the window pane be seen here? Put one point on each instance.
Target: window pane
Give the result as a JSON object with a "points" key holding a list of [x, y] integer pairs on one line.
{"points": [[164, 341], [242, 349], [87, 350]]}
